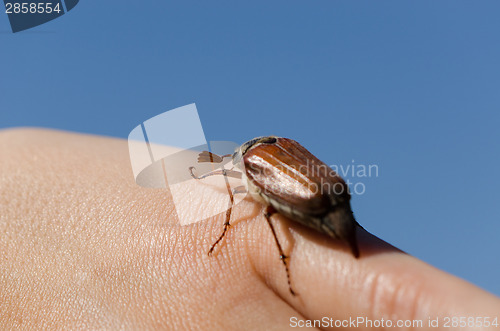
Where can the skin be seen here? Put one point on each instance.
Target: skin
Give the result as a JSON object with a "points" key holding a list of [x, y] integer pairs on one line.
{"points": [[83, 247]]}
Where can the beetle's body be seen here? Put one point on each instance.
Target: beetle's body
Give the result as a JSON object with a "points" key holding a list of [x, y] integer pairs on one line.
{"points": [[288, 179], [281, 173]]}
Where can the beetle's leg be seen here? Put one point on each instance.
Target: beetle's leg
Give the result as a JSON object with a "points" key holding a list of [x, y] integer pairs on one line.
{"points": [[239, 189], [224, 172], [268, 212], [236, 190], [207, 156]]}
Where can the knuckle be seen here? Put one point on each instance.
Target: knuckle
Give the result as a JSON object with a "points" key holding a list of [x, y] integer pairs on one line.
{"points": [[395, 297]]}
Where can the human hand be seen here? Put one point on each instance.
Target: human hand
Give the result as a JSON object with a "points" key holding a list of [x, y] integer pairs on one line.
{"points": [[83, 247]]}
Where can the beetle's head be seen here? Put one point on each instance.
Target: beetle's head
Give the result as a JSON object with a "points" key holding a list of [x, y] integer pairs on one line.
{"points": [[245, 147]]}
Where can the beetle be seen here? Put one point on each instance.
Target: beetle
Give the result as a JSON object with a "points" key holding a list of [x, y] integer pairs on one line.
{"points": [[287, 179]]}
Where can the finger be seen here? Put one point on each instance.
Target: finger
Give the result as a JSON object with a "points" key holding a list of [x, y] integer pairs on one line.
{"points": [[384, 283]]}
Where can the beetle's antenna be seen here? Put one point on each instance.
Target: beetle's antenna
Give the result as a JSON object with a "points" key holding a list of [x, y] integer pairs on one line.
{"points": [[210, 157]]}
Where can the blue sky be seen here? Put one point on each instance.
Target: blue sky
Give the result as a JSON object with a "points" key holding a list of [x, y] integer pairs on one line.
{"points": [[413, 87]]}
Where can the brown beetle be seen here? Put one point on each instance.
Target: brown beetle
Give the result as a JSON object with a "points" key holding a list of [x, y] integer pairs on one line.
{"points": [[288, 179]]}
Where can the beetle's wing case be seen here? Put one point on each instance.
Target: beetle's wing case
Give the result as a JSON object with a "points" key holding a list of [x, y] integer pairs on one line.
{"points": [[282, 173], [288, 173]]}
